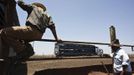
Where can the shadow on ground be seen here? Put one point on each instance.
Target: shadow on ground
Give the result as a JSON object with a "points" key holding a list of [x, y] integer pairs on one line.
{"points": [[21, 69], [13, 69], [87, 70], [75, 71]]}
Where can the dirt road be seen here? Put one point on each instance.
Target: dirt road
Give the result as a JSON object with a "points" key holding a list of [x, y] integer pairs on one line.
{"points": [[71, 66]]}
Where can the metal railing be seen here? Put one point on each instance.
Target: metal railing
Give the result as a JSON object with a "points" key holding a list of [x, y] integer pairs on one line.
{"points": [[81, 42]]}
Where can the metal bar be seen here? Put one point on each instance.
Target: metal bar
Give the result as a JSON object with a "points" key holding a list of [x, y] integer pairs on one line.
{"points": [[98, 43]]}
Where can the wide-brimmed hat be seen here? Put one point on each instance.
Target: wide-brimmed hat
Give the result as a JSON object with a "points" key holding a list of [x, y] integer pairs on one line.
{"points": [[39, 5], [116, 43]]}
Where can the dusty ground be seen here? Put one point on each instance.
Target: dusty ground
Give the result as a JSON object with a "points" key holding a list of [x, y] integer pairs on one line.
{"points": [[65, 66], [71, 66]]}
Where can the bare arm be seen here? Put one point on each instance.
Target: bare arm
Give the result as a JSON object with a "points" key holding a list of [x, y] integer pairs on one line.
{"points": [[24, 6], [53, 29], [125, 62], [51, 26]]}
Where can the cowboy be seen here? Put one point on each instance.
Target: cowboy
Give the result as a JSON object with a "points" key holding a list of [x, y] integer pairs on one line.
{"points": [[121, 61], [36, 24]]}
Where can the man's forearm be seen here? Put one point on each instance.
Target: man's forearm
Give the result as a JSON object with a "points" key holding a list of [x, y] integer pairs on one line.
{"points": [[54, 32], [24, 6], [21, 4]]}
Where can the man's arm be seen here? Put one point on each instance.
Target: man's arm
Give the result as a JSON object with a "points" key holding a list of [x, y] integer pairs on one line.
{"points": [[24, 6], [52, 28], [125, 62]]}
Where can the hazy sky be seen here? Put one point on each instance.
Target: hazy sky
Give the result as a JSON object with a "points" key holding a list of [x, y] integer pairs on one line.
{"points": [[86, 20]]}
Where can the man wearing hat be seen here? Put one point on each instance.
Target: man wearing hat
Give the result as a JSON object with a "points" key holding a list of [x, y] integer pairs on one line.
{"points": [[121, 62], [36, 24]]}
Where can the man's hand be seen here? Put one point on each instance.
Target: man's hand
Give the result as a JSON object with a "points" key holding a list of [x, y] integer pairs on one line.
{"points": [[19, 1], [59, 40], [16, 0]]}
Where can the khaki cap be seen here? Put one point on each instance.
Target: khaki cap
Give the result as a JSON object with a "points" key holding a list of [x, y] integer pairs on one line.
{"points": [[39, 5]]}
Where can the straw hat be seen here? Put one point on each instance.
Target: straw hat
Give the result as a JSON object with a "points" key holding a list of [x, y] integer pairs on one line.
{"points": [[39, 5], [116, 41]]}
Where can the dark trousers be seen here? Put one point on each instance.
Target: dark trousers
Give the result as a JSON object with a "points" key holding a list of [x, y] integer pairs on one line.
{"points": [[13, 35]]}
